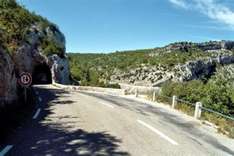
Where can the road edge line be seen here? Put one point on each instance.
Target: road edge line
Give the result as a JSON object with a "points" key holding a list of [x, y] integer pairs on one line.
{"points": [[158, 132], [37, 113], [6, 150]]}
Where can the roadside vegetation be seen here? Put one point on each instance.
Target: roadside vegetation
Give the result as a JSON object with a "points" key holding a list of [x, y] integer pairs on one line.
{"points": [[217, 94], [15, 22], [96, 69]]}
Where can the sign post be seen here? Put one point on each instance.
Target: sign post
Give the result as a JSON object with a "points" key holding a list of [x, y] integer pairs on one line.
{"points": [[25, 81]]}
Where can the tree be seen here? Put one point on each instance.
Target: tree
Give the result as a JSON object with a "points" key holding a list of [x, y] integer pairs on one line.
{"points": [[8, 4]]}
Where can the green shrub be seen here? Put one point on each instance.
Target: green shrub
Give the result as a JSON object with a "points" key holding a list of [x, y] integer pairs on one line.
{"points": [[215, 94], [15, 22], [212, 95]]}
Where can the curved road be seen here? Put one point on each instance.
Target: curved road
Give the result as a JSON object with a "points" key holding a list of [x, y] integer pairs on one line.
{"points": [[79, 123]]}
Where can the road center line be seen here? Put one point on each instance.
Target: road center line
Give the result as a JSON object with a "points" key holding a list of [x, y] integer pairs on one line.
{"points": [[158, 132], [37, 113], [106, 104], [6, 149]]}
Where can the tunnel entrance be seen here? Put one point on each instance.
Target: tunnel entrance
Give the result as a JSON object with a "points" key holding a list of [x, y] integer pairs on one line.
{"points": [[42, 74]]}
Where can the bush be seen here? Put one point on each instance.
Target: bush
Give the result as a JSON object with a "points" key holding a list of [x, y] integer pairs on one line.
{"points": [[15, 22], [212, 95], [189, 91]]}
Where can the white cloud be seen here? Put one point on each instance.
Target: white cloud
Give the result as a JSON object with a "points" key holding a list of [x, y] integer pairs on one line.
{"points": [[214, 9], [179, 3]]}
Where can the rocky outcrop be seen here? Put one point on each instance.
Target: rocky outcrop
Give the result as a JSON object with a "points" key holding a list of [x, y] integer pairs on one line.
{"points": [[60, 69], [8, 81], [29, 56], [194, 70], [27, 41], [201, 68], [157, 75], [142, 76], [206, 46]]}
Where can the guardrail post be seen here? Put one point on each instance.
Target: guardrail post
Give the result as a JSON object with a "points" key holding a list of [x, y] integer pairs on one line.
{"points": [[154, 96], [136, 92], [198, 110], [174, 101]]}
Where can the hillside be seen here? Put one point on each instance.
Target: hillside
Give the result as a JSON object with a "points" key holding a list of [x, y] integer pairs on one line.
{"points": [[192, 71], [149, 66]]}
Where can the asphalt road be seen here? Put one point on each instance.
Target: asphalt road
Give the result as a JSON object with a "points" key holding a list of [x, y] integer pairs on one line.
{"points": [[79, 123]]}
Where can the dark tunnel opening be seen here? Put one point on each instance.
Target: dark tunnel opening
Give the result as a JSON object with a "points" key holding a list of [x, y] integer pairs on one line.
{"points": [[42, 74]]}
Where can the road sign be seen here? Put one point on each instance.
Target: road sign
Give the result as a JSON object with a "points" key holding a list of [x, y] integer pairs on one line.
{"points": [[25, 79]]}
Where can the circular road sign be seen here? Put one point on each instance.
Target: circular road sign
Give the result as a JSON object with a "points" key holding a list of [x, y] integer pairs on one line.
{"points": [[25, 79]]}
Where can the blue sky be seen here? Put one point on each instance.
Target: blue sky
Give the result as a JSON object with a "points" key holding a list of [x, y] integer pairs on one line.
{"points": [[110, 25]]}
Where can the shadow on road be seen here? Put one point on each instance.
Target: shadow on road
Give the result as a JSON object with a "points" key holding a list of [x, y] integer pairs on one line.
{"points": [[62, 138], [14, 114], [166, 118], [54, 140]]}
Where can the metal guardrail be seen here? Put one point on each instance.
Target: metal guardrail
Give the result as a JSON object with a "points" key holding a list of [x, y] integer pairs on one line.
{"points": [[202, 108], [186, 102], [218, 113]]}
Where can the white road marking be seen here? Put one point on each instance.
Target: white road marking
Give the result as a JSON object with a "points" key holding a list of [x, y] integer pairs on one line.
{"points": [[6, 149], [40, 100], [37, 113], [84, 95], [106, 104], [158, 132]]}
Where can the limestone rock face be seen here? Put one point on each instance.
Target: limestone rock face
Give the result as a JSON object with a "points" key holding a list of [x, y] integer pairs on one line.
{"points": [[206, 46], [142, 76], [198, 69], [28, 57], [194, 70], [157, 75], [30, 54], [59, 69], [8, 79]]}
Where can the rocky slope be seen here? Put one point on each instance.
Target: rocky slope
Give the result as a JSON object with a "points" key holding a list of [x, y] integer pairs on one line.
{"points": [[206, 46], [182, 61], [28, 43], [157, 75], [217, 53]]}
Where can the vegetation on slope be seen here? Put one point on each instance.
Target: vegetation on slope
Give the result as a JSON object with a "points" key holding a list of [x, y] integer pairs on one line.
{"points": [[15, 22], [91, 69], [217, 94]]}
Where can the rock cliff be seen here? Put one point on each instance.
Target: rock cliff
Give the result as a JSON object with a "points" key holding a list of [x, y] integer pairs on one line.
{"points": [[206, 46], [29, 43], [8, 81], [145, 75]]}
